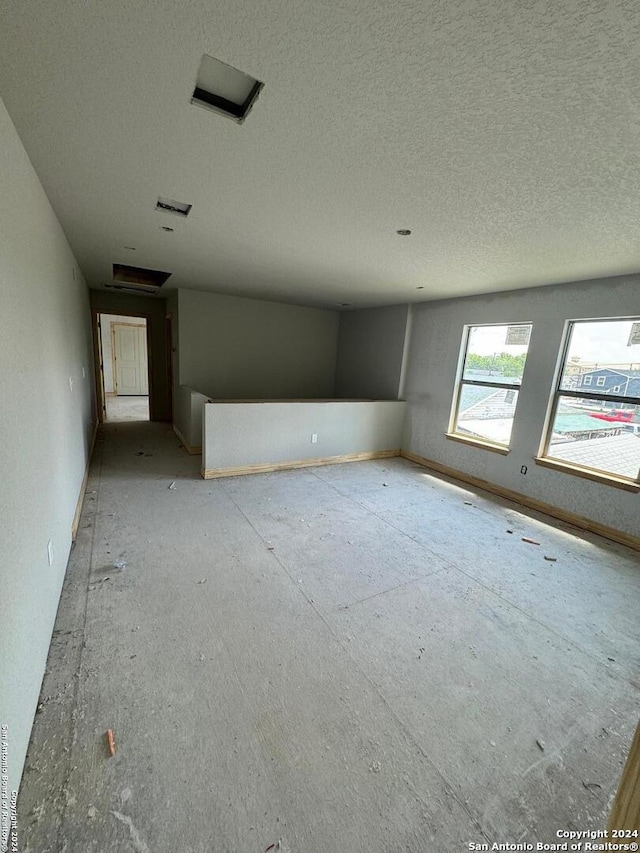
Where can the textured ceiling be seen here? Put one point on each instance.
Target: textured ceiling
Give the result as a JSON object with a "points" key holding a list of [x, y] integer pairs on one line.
{"points": [[506, 135]]}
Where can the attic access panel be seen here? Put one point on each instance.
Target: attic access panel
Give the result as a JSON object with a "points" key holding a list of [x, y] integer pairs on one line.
{"points": [[138, 278], [225, 89]]}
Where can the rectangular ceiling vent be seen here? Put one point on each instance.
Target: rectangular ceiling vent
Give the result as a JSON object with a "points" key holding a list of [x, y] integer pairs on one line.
{"points": [[224, 89], [168, 205], [137, 279]]}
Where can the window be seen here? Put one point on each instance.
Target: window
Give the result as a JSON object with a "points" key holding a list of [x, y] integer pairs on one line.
{"points": [[487, 391], [597, 431]]}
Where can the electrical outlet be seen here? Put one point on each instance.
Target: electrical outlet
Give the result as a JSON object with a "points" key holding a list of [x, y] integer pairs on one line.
{"points": [[523, 470], [71, 383], [314, 438], [50, 551]]}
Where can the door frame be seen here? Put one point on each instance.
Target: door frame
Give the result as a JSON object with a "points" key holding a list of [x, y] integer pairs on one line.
{"points": [[168, 332], [98, 363]]}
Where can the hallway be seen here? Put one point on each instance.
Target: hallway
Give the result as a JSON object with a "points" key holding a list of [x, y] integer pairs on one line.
{"points": [[320, 660]]}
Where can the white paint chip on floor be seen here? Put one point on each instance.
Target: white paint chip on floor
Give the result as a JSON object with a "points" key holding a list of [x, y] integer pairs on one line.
{"points": [[355, 657]]}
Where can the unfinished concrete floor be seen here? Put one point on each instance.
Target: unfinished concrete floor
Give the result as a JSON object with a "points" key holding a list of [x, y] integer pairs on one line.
{"points": [[121, 409], [351, 658]]}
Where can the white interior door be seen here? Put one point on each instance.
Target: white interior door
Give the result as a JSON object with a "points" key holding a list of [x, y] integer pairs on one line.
{"points": [[130, 350]]}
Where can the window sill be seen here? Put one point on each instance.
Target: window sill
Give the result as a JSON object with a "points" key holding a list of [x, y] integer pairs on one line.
{"points": [[588, 474], [478, 442]]}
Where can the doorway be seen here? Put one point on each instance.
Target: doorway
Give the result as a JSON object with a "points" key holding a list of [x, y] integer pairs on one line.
{"points": [[124, 367]]}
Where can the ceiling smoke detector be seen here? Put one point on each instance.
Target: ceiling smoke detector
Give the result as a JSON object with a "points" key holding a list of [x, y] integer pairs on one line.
{"points": [[224, 89]]}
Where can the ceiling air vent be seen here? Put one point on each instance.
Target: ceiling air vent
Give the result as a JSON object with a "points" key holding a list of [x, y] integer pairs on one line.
{"points": [[168, 205], [224, 89], [137, 279]]}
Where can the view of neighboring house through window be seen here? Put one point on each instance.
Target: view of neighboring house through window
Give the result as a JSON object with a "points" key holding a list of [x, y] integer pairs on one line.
{"points": [[487, 391], [595, 422]]}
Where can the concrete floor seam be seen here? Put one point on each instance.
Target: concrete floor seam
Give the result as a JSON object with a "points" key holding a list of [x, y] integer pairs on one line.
{"points": [[374, 687], [508, 601], [409, 734], [382, 592]]}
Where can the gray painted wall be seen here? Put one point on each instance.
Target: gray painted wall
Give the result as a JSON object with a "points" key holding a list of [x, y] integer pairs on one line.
{"points": [[188, 414], [436, 337], [232, 348], [370, 352], [46, 428], [238, 434]]}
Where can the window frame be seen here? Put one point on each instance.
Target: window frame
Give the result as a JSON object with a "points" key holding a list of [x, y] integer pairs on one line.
{"points": [[601, 381], [544, 457], [478, 441]]}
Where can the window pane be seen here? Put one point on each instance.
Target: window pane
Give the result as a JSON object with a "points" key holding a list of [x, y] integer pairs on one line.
{"points": [[597, 434], [604, 356], [497, 353], [486, 413]]}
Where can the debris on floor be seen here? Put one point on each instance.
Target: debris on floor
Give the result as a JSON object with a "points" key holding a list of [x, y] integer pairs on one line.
{"points": [[375, 767], [551, 559], [591, 785], [468, 503], [530, 541], [509, 531], [540, 744], [120, 565], [202, 580], [111, 744], [173, 485]]}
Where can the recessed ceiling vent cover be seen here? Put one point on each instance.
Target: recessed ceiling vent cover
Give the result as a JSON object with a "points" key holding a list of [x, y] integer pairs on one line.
{"points": [[224, 89], [168, 205], [137, 279]]}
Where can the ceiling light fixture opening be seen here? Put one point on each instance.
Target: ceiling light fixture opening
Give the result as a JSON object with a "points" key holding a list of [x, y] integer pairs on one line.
{"points": [[169, 205], [225, 89]]}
